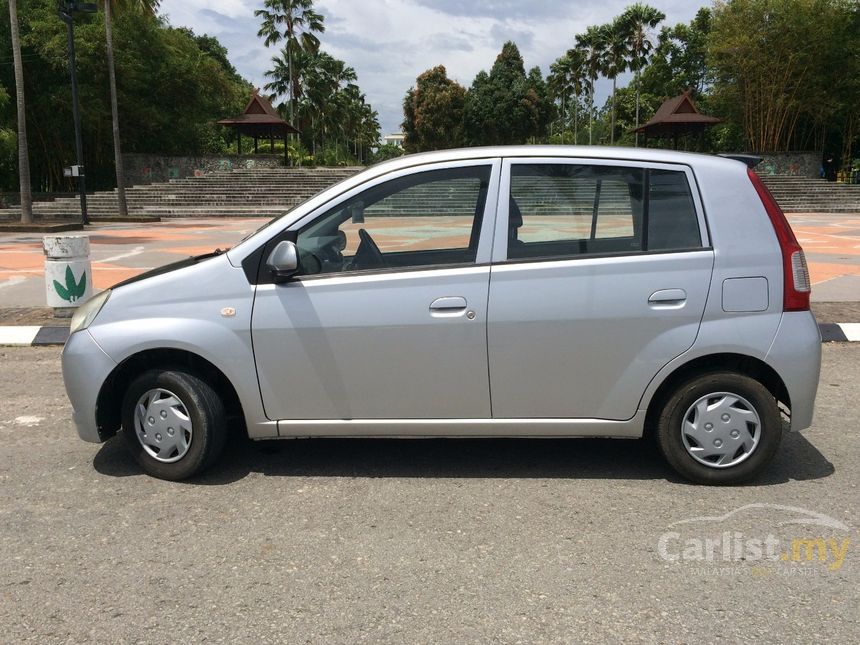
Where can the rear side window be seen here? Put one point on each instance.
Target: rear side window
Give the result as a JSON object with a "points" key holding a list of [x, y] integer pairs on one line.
{"points": [[569, 210], [672, 221]]}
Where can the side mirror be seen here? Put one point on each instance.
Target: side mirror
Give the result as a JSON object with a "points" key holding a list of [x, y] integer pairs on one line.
{"points": [[283, 261]]}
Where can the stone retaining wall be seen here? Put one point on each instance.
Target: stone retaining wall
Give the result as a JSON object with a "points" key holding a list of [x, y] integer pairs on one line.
{"points": [[151, 168], [798, 164]]}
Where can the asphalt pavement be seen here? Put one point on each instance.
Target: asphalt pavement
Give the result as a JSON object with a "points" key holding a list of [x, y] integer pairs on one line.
{"points": [[445, 541]]}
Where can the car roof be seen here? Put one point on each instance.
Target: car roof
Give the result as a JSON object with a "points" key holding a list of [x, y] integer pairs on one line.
{"points": [[574, 152]]}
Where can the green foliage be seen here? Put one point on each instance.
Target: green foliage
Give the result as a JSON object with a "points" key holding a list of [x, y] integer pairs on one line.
{"points": [[8, 141], [385, 152], [433, 111], [788, 71], [679, 60], [335, 154], [295, 23], [507, 106], [172, 87], [329, 104], [72, 290]]}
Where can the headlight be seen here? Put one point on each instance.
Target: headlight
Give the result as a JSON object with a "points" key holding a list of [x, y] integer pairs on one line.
{"points": [[87, 312]]}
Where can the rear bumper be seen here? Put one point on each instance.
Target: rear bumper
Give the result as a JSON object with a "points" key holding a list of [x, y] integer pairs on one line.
{"points": [[85, 369], [795, 354]]}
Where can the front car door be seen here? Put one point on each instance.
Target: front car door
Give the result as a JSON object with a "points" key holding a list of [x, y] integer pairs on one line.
{"points": [[600, 277], [387, 317]]}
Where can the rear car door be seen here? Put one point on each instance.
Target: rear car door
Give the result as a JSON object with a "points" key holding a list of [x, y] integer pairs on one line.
{"points": [[600, 276]]}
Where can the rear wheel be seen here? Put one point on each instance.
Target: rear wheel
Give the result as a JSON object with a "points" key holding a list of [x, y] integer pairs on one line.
{"points": [[719, 428], [173, 423]]}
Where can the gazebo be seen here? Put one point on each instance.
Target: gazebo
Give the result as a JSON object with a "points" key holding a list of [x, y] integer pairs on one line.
{"points": [[261, 121], [677, 116]]}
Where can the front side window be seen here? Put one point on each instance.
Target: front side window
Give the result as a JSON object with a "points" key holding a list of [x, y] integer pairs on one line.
{"points": [[559, 211], [426, 219]]}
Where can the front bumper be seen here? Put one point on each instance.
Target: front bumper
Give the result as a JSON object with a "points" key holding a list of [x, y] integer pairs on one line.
{"points": [[85, 369]]}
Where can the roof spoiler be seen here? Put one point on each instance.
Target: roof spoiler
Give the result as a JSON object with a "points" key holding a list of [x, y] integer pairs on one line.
{"points": [[750, 160]]}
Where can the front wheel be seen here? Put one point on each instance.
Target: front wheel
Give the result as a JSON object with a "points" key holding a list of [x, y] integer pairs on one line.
{"points": [[719, 428], [173, 423]]}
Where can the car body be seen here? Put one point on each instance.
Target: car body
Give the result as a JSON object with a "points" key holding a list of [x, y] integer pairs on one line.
{"points": [[518, 291]]}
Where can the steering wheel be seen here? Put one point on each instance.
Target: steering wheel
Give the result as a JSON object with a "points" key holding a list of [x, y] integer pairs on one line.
{"points": [[372, 249]]}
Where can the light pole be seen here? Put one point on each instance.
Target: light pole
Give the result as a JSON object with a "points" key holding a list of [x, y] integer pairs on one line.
{"points": [[66, 9]]}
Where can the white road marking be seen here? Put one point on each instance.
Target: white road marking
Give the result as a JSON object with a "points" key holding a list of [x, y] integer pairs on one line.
{"points": [[122, 256], [18, 335], [851, 331], [11, 282]]}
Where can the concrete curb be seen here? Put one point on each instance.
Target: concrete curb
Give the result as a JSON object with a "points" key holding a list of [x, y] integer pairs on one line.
{"points": [[35, 335]]}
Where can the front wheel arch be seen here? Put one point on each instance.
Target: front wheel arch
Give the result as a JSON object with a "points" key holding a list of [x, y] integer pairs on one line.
{"points": [[109, 401]]}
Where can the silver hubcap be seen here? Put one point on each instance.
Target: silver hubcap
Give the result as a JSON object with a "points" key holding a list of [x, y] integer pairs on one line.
{"points": [[721, 430], [163, 425]]}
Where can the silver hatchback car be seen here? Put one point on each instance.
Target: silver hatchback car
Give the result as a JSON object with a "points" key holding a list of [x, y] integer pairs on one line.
{"points": [[513, 291]]}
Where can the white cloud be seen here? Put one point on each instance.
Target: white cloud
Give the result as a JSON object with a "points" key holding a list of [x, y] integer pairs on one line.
{"points": [[390, 42]]}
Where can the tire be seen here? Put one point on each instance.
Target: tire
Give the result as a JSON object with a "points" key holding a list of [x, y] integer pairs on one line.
{"points": [[181, 405], [745, 428]]}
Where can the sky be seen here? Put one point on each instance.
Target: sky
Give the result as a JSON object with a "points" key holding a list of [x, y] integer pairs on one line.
{"points": [[390, 42]]}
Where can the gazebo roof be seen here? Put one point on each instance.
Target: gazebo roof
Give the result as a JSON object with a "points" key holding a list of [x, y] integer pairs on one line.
{"points": [[259, 118], [676, 115]]}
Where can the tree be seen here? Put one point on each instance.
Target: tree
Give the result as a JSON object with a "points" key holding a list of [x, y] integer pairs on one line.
{"points": [[592, 45], [330, 107], [560, 87], [23, 148], [678, 62], [433, 112], [637, 22], [787, 71], [506, 106], [614, 62], [168, 86], [144, 5], [300, 23]]}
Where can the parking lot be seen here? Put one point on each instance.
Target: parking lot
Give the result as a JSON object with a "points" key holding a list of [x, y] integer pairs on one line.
{"points": [[419, 541]]}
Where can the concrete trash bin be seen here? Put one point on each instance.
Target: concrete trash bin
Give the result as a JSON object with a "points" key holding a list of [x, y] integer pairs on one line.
{"points": [[68, 273]]}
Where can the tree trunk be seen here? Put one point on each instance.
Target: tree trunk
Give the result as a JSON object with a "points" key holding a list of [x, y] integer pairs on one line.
{"points": [[114, 109], [612, 123], [292, 93], [23, 148], [590, 111], [576, 120], [562, 119], [637, 103]]}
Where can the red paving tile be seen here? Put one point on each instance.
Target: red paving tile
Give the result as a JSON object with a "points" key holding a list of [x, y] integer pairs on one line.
{"points": [[192, 250], [107, 275], [822, 271]]}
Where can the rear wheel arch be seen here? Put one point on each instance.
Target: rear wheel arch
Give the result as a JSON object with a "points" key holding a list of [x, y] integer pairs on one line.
{"points": [[742, 364], [109, 402]]}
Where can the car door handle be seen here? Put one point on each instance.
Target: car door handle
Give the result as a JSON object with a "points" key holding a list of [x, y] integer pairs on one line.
{"points": [[668, 298], [448, 306]]}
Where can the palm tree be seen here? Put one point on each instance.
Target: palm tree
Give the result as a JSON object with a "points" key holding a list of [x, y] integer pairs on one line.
{"points": [[148, 6], [637, 21], [299, 21], [23, 148], [577, 81], [615, 62], [591, 45], [560, 86]]}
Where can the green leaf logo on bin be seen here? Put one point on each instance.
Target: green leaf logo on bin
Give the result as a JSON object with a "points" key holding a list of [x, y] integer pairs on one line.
{"points": [[73, 289]]}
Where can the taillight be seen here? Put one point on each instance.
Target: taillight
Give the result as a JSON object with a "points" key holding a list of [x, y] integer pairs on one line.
{"points": [[795, 275]]}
